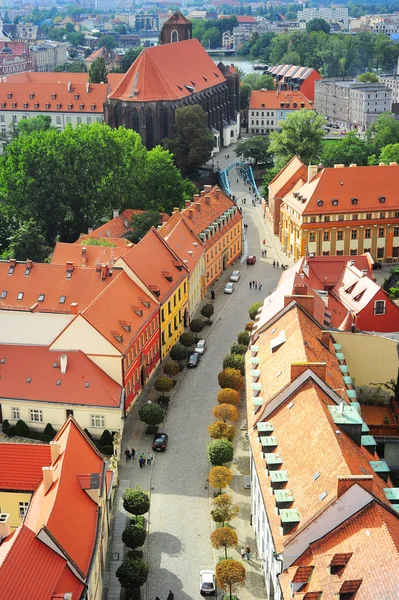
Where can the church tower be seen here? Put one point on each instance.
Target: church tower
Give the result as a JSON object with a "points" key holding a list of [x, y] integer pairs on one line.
{"points": [[176, 29]]}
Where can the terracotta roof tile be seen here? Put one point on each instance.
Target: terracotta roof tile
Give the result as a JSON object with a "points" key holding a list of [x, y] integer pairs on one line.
{"points": [[168, 72], [177, 19], [21, 465], [183, 241], [288, 176], [341, 560], [117, 227], [87, 256], [302, 574], [349, 587], [270, 99]]}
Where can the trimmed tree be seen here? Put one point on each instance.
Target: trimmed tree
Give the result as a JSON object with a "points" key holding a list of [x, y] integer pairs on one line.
{"points": [[220, 452], [151, 414], [234, 361], [253, 310], [238, 349], [228, 396], [187, 339], [163, 385], [224, 509], [132, 573], [220, 430], [171, 368], [243, 338], [135, 501], [220, 477], [225, 412], [249, 325], [134, 536], [231, 378], [224, 537], [207, 311], [196, 326], [178, 352], [230, 575]]}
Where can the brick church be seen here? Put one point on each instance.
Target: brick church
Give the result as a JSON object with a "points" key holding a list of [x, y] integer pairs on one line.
{"points": [[175, 74]]}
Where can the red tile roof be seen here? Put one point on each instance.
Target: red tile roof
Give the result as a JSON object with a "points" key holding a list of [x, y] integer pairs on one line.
{"points": [[270, 99], [183, 241], [163, 72], [177, 19], [21, 465], [246, 19], [48, 77], [87, 255], [117, 227], [36, 363], [283, 182]]}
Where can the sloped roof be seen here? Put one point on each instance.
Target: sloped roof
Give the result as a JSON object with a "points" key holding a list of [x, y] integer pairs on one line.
{"points": [[177, 19], [270, 99], [291, 71], [21, 465], [92, 256], [354, 290], [163, 72], [182, 240], [117, 227], [290, 174], [47, 77], [36, 363]]}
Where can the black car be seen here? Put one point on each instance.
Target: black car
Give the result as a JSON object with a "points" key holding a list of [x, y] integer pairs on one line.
{"points": [[194, 360], [377, 266], [159, 442]]}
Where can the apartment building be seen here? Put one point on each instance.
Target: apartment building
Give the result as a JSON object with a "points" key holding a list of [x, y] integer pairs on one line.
{"points": [[392, 81], [267, 108], [295, 78], [47, 55], [351, 103], [342, 211], [331, 15], [144, 22]]}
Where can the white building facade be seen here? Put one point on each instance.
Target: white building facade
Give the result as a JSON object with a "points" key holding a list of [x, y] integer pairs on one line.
{"points": [[331, 15]]}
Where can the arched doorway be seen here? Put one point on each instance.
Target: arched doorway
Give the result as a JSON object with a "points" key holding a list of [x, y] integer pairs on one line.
{"points": [[174, 36]]}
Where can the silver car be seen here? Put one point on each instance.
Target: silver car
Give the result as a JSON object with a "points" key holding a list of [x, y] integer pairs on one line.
{"points": [[229, 288], [207, 582], [235, 276], [200, 347]]}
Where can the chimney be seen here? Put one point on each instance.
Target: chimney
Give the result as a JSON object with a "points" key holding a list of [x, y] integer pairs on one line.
{"points": [[175, 210], [87, 87], [198, 206], [90, 230], [104, 272], [74, 308], [353, 165], [188, 202], [190, 252], [312, 171], [393, 164], [318, 368], [63, 363], [346, 482], [13, 262], [196, 197], [195, 244], [305, 301], [339, 166], [217, 193], [69, 86], [55, 451], [207, 189], [84, 255], [4, 526], [190, 213], [325, 338], [69, 266], [108, 233], [47, 478], [208, 199], [115, 213], [300, 289], [28, 264]]}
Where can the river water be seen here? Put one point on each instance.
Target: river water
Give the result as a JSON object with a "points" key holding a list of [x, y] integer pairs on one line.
{"points": [[238, 61]]}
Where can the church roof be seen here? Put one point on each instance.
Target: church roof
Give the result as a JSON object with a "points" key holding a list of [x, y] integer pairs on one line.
{"points": [[168, 72], [177, 19]]}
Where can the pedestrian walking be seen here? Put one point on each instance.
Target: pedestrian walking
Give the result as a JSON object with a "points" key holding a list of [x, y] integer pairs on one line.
{"points": [[250, 285], [265, 252], [149, 459], [157, 598], [133, 453], [256, 285], [237, 179], [141, 462], [260, 286], [248, 551], [274, 264], [277, 264], [264, 242], [243, 553], [143, 459], [127, 454], [170, 595]]}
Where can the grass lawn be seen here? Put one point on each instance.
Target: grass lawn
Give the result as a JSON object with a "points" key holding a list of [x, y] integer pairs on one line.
{"points": [[329, 143]]}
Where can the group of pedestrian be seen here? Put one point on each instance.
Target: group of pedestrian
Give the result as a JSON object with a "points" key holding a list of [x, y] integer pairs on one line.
{"points": [[246, 553], [276, 264], [130, 453], [255, 284], [264, 253], [244, 200], [245, 226], [143, 460], [227, 155], [171, 596]]}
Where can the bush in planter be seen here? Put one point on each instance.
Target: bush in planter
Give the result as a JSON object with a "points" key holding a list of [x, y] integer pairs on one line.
{"points": [[224, 537], [21, 428], [134, 536], [234, 361], [43, 437], [151, 414], [220, 430], [207, 311], [249, 325], [231, 378], [5, 427], [243, 338], [238, 349], [163, 384], [134, 594], [132, 573], [220, 452], [106, 438], [107, 450], [11, 431], [171, 368], [178, 352], [197, 325], [220, 477], [225, 412], [136, 502], [49, 430], [187, 339], [253, 310], [228, 396], [87, 432]]}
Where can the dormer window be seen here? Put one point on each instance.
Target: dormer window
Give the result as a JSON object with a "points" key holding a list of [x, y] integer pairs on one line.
{"points": [[349, 589], [81, 106], [47, 105], [54, 96], [138, 310], [155, 290], [20, 295], [93, 107], [70, 106], [76, 96], [41, 298], [125, 325], [11, 269], [59, 106], [26, 105], [319, 202], [31, 95], [118, 336], [381, 199], [168, 276], [3, 105], [334, 202], [3, 294], [145, 302], [62, 299], [36, 105], [339, 562], [14, 105], [9, 95], [178, 265], [354, 200]]}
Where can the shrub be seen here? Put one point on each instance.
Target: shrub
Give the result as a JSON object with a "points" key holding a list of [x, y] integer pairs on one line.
{"points": [[231, 378], [87, 432], [249, 325], [243, 338], [234, 361], [21, 429], [11, 431], [228, 396], [219, 477], [225, 412], [224, 537], [43, 437], [224, 509], [152, 414], [178, 352], [135, 501], [171, 368], [106, 438], [220, 452], [187, 339], [134, 594], [207, 310], [107, 450], [230, 574], [132, 573], [134, 536], [49, 430], [197, 325], [163, 384], [253, 309], [220, 430], [34, 435], [5, 427], [238, 349]]}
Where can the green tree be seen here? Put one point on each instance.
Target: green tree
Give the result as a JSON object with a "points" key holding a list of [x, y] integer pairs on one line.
{"points": [[132, 573], [98, 71], [163, 385], [245, 95], [259, 82], [196, 326], [220, 430], [256, 149], [187, 339], [231, 378], [384, 132], [134, 535], [107, 41], [234, 361], [135, 501], [29, 242], [171, 368], [243, 338], [220, 452], [129, 57], [253, 310], [39, 123], [230, 575], [142, 223], [211, 38], [77, 66], [350, 150], [390, 153], [224, 509], [75, 38], [151, 414], [224, 537], [301, 133], [238, 349], [192, 143], [178, 352], [207, 310], [317, 25], [368, 77]]}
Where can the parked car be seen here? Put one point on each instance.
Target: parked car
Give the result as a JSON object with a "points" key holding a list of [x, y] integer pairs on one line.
{"points": [[251, 260], [207, 583], [235, 276], [229, 288], [194, 359], [159, 442], [377, 266], [200, 347]]}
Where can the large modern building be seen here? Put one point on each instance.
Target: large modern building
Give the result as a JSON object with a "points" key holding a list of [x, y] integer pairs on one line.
{"points": [[175, 74], [351, 103], [268, 107], [295, 79], [337, 14]]}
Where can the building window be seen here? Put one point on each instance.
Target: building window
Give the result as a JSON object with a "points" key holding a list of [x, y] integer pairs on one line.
{"points": [[353, 252], [326, 236], [58, 120], [381, 232], [396, 231], [339, 235], [379, 307], [382, 215], [79, 120], [97, 421], [312, 237], [367, 233], [380, 252], [15, 414], [395, 251], [326, 219], [36, 415], [340, 252], [340, 217], [326, 253], [354, 234], [23, 508]]}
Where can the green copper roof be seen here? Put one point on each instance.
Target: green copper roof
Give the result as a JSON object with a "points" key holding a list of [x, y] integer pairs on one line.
{"points": [[269, 441], [256, 387], [257, 400], [283, 496], [265, 427], [340, 356], [273, 458], [337, 346], [392, 494], [368, 440], [278, 476], [351, 394], [255, 372], [365, 428], [289, 515], [345, 414], [255, 360], [348, 380], [344, 368], [254, 348], [379, 466]]}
